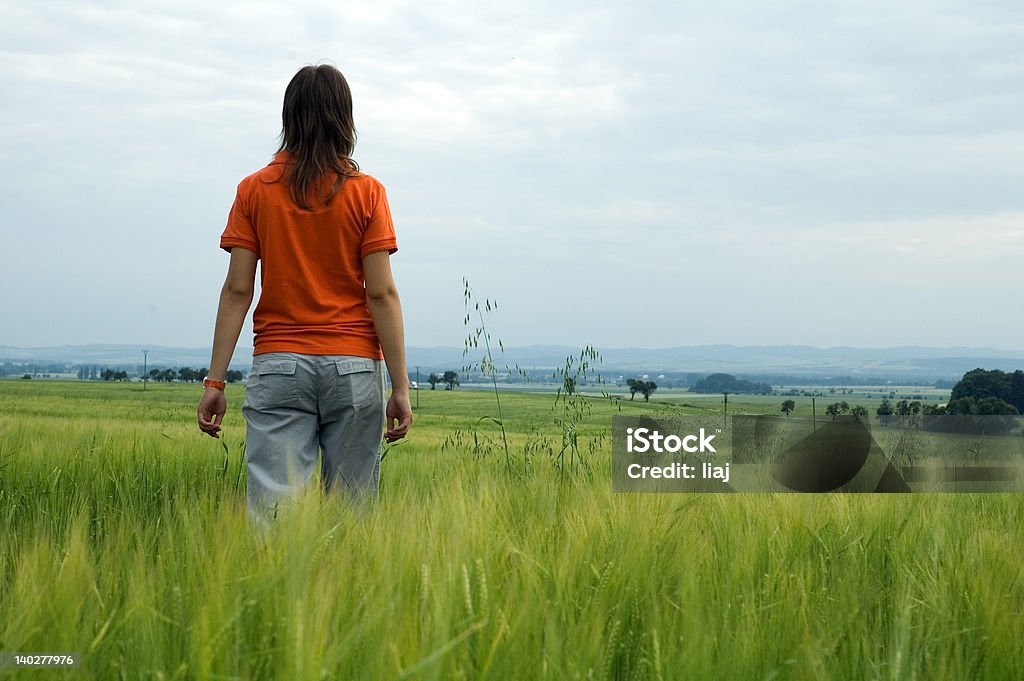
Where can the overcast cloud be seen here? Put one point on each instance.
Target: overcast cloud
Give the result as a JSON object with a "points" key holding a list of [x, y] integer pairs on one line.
{"points": [[642, 174]]}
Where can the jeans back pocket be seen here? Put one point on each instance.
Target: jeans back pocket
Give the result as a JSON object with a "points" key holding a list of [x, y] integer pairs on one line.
{"points": [[272, 383], [358, 381]]}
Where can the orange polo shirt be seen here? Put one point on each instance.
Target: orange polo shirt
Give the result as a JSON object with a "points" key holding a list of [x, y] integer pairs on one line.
{"points": [[313, 297]]}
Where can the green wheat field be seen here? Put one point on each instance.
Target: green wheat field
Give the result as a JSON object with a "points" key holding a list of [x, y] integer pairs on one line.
{"points": [[124, 539]]}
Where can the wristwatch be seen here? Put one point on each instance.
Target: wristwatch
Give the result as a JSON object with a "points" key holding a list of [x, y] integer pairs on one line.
{"points": [[210, 383]]}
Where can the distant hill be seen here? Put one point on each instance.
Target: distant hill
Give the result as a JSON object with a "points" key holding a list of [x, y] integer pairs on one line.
{"points": [[919, 363], [924, 363], [119, 355]]}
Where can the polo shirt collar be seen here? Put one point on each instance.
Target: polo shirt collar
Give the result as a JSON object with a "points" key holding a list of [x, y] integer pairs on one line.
{"points": [[283, 157]]}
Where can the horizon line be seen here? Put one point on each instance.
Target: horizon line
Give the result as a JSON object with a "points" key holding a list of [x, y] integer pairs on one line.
{"points": [[507, 347]]}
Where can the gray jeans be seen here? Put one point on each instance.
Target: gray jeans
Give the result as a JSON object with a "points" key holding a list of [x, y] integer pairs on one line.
{"points": [[297, 406]]}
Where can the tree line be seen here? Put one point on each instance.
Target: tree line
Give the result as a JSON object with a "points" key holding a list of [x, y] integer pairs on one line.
{"points": [[182, 374], [95, 373], [189, 375], [983, 402]]}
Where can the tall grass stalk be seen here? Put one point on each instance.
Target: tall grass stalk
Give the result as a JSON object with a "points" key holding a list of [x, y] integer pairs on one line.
{"points": [[486, 362], [575, 408]]}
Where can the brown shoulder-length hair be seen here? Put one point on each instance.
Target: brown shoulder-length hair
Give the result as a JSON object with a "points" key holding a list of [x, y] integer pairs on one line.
{"points": [[318, 131]]}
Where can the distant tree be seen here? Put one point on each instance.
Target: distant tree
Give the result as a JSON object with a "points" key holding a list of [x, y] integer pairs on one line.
{"points": [[993, 406], [979, 384], [168, 375], [966, 415], [837, 408], [233, 376], [27, 377], [1016, 396], [433, 380], [788, 406], [906, 414], [634, 387], [884, 412], [186, 374], [647, 388], [154, 375], [452, 379], [905, 408], [859, 413], [112, 375]]}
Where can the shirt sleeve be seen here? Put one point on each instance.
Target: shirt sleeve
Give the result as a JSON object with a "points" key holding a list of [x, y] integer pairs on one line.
{"points": [[240, 231], [379, 234]]}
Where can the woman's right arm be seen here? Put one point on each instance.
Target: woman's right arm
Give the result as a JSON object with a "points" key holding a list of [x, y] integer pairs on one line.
{"points": [[386, 310]]}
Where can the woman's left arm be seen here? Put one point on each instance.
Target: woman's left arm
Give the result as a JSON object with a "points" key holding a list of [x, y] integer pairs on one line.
{"points": [[235, 300]]}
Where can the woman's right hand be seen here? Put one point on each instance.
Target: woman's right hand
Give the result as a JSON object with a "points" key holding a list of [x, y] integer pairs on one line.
{"points": [[399, 416], [212, 407]]}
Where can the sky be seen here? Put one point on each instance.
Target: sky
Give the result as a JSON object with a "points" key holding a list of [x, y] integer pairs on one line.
{"points": [[639, 174]]}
